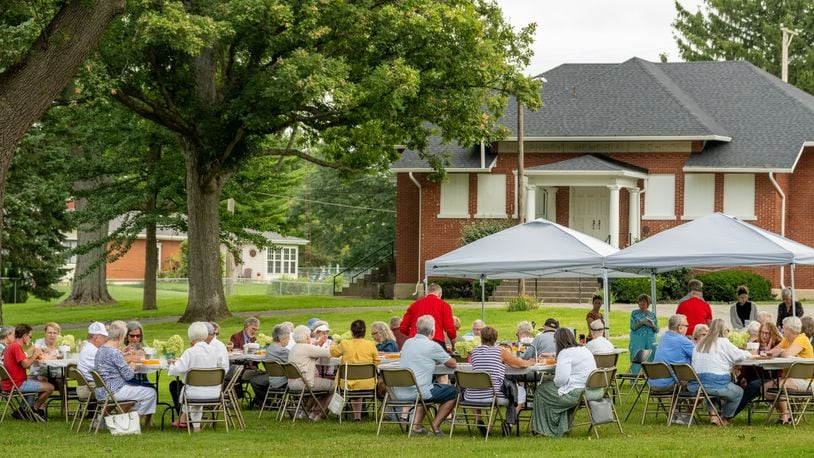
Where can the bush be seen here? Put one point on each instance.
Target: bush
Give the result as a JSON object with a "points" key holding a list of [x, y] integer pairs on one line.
{"points": [[723, 285], [466, 289], [627, 290], [480, 229], [522, 304], [675, 283]]}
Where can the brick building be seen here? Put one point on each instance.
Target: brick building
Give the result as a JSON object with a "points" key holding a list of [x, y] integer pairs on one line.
{"points": [[621, 152]]}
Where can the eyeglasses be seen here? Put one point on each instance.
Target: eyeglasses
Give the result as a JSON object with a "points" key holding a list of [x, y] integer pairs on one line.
{"points": [[134, 336], [683, 326], [765, 333], [217, 333]]}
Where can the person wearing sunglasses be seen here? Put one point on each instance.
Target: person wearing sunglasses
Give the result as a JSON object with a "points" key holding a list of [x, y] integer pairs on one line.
{"points": [[134, 352]]}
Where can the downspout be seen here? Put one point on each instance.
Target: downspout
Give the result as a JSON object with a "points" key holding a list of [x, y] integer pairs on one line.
{"points": [[782, 221], [482, 155], [418, 185]]}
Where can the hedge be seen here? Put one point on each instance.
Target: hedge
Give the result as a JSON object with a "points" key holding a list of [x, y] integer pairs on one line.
{"points": [[723, 285]]}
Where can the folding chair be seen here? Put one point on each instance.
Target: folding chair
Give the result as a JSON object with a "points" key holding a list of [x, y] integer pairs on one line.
{"points": [[606, 361], [107, 401], [292, 372], [274, 396], [233, 410], [601, 379], [685, 374], [474, 380], [205, 378], [18, 398], [73, 373], [641, 356], [353, 372], [400, 378], [657, 395], [794, 398]]}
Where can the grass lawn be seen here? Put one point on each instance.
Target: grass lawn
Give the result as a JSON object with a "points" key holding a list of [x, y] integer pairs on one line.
{"points": [[268, 437]]}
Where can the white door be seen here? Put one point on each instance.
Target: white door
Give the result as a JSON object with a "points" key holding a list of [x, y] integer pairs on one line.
{"points": [[589, 209]]}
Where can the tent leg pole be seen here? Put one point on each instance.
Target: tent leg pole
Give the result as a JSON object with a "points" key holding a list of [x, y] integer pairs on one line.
{"points": [[793, 292], [606, 293], [653, 290], [483, 298]]}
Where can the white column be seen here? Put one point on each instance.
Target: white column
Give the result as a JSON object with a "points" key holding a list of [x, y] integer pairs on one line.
{"points": [[531, 202], [634, 218], [613, 217], [551, 204]]}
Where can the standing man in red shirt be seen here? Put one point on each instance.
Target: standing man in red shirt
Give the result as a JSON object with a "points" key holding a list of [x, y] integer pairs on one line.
{"points": [[431, 304], [17, 361], [696, 309]]}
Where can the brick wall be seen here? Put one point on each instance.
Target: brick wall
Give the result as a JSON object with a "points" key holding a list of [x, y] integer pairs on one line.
{"points": [[131, 265]]}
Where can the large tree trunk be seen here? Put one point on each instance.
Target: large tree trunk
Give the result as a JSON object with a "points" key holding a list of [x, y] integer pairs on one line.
{"points": [[89, 285], [151, 248], [206, 301], [27, 88]]}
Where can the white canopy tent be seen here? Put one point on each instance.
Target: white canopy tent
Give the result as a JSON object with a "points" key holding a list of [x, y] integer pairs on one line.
{"points": [[538, 248], [715, 240]]}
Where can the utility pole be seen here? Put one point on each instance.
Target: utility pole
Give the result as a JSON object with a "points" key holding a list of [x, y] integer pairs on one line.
{"points": [[788, 34], [521, 185]]}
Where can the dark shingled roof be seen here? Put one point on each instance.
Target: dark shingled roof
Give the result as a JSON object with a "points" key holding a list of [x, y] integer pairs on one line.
{"points": [[750, 119], [460, 157], [590, 163]]}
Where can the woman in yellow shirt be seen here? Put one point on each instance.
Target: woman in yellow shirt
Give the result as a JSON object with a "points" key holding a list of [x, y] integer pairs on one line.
{"points": [[357, 350], [794, 343]]}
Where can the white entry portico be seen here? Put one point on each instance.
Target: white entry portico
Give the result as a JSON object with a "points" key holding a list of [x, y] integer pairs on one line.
{"points": [[594, 183]]}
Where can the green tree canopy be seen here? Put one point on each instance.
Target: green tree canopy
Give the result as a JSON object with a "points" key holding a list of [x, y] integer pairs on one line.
{"points": [[750, 30]]}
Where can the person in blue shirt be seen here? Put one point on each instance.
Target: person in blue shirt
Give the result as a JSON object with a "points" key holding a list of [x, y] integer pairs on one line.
{"points": [[674, 348]]}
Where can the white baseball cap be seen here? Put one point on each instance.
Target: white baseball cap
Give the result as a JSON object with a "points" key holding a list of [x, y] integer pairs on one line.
{"points": [[322, 328], [97, 328]]}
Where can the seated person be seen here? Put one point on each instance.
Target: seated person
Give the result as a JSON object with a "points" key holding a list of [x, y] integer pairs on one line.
{"points": [[97, 336], [753, 330], [395, 323], [17, 361], [239, 341], [48, 345], [598, 343], [134, 351], [494, 359], [321, 333], [420, 354], [523, 332], [544, 341], [674, 348], [304, 355], [713, 359], [277, 353], [357, 350], [199, 356], [383, 335], [794, 344], [555, 400], [764, 317], [477, 327], [6, 337], [700, 331], [117, 374]]}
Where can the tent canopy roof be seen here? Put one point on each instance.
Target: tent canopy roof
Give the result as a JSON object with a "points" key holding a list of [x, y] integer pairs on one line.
{"points": [[715, 240]]}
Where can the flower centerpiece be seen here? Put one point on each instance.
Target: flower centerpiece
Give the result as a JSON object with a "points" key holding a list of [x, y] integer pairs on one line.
{"points": [[174, 347]]}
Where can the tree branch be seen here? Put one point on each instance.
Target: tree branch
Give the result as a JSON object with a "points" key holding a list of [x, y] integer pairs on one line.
{"points": [[287, 152], [142, 106]]}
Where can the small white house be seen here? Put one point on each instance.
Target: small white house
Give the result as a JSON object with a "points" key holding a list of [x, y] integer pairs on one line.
{"points": [[282, 260]]}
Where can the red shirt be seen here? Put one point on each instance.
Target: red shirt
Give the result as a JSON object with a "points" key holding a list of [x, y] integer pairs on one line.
{"points": [[12, 358], [429, 305], [697, 312]]}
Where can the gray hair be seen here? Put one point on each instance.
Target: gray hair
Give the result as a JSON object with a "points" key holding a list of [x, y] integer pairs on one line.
{"points": [[434, 288], [395, 321], [764, 315], [5, 331], [197, 331], [251, 322], [754, 328], [280, 332], [132, 326], [524, 327], [301, 334], [210, 329], [288, 325], [695, 285], [674, 321], [116, 330], [786, 292], [478, 322], [793, 323], [425, 325]]}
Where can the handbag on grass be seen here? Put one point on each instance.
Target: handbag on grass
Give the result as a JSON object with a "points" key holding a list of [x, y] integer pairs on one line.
{"points": [[124, 423]]}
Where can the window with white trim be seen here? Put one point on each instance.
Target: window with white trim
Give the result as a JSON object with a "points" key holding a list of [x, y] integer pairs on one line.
{"points": [[491, 195], [739, 195], [282, 261], [455, 196], [70, 245], [660, 197], [699, 195]]}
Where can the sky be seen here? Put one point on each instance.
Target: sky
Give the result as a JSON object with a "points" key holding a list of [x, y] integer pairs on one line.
{"points": [[596, 31]]}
